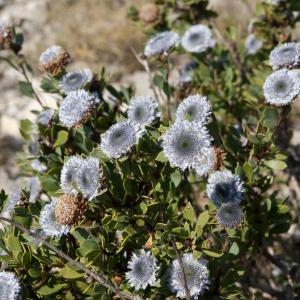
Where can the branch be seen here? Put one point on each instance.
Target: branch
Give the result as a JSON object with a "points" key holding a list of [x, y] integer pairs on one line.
{"points": [[97, 277], [187, 292], [144, 63]]}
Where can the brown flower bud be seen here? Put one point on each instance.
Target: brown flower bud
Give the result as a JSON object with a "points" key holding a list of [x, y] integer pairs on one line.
{"points": [[5, 36], [149, 13], [54, 60], [219, 157], [69, 209]]}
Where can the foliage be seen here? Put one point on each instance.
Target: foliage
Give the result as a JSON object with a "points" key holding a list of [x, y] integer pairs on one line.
{"points": [[144, 202]]}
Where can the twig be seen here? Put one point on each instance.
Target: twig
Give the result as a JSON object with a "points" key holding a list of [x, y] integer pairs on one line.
{"points": [[97, 277], [144, 63], [24, 72], [187, 292], [231, 48]]}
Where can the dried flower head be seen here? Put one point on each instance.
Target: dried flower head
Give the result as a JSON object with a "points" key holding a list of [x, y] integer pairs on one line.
{"points": [[282, 87], [119, 139], [75, 80], [48, 222], [69, 209], [88, 177], [194, 109], [197, 39], [161, 43], [196, 273], [229, 215], [183, 144], [45, 116], [5, 35], [285, 55], [9, 286], [76, 108], [69, 174], [142, 270], [54, 60], [252, 44], [142, 111], [149, 13], [224, 187]]}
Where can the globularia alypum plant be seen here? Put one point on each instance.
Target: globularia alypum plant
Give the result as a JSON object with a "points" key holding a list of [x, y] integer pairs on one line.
{"points": [[163, 196]]}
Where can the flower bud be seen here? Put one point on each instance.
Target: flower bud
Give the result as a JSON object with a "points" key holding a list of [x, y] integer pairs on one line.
{"points": [[149, 13]]}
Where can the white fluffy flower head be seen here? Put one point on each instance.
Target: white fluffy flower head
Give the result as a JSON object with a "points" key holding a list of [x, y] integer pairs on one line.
{"points": [[229, 215], [282, 87], [142, 111], [76, 108], [194, 109], [186, 73], [183, 145], [69, 174], [285, 55], [48, 223], [224, 187], [119, 139], [75, 80], [9, 286], [252, 44], [38, 166], [35, 188], [196, 273], [13, 200], [50, 54], [206, 161], [142, 270], [88, 177], [197, 39], [45, 116], [161, 43]]}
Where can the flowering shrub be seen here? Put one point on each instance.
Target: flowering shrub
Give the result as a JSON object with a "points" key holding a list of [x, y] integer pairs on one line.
{"points": [[162, 196]]}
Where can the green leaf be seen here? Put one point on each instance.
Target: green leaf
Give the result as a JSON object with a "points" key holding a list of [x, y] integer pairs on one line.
{"points": [[275, 164], [51, 290], [61, 139], [189, 213], [234, 249], [25, 88], [248, 171], [270, 118], [212, 253], [69, 273], [14, 245], [161, 157], [34, 273], [201, 222]]}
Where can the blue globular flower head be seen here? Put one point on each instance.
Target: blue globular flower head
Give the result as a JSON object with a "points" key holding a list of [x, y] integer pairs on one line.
{"points": [[229, 215], [48, 222], [35, 188], [75, 80], [69, 174], [38, 166], [142, 270], [197, 39], [161, 43], [45, 116], [282, 87], [54, 60], [207, 161], [142, 111], [76, 108], [285, 55], [119, 139], [88, 177], [194, 109], [13, 201], [9, 286], [196, 274], [252, 44], [224, 187], [184, 143], [186, 73]]}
